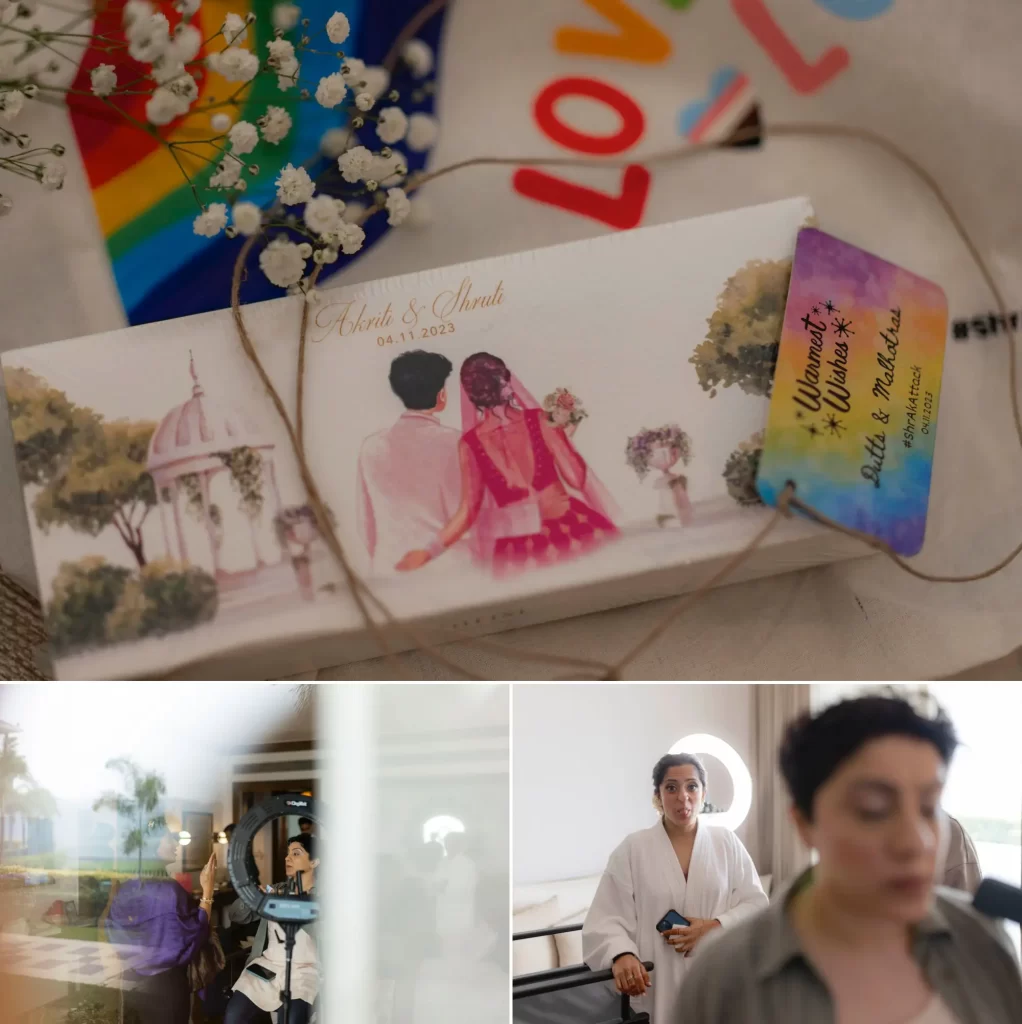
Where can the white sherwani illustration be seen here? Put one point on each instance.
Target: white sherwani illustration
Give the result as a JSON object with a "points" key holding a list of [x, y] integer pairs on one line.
{"points": [[643, 881], [409, 487]]}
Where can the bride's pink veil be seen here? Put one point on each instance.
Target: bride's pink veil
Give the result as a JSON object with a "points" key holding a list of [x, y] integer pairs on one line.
{"points": [[484, 534]]}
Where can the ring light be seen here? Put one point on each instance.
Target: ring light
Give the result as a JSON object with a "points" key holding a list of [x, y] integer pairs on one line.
{"points": [[439, 828], [741, 780], [245, 874]]}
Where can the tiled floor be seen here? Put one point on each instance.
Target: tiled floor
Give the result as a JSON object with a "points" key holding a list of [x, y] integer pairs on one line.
{"points": [[66, 960]]}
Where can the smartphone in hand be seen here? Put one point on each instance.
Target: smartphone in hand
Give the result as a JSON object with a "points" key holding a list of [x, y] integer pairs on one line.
{"points": [[672, 919]]}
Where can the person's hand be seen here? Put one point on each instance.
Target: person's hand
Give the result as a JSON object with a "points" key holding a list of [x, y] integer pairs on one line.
{"points": [[630, 977], [413, 560], [684, 940], [206, 877]]}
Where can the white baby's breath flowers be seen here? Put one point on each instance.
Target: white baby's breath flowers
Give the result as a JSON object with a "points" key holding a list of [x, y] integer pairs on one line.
{"points": [[51, 175], [211, 221], [337, 27], [185, 88], [221, 122], [418, 55], [133, 12], [330, 91], [398, 206], [384, 169], [234, 64], [377, 80], [285, 16], [287, 76], [365, 101], [352, 69], [351, 237], [149, 38], [163, 106], [353, 211], [323, 214], [246, 217], [104, 79], [393, 125], [279, 50], [355, 163], [423, 130], [11, 103], [166, 69], [294, 186], [186, 42], [188, 7], [282, 263], [235, 28], [275, 124], [227, 173], [243, 137], [334, 142]]}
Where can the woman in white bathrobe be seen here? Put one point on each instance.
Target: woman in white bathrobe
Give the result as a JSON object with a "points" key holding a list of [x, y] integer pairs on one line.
{"points": [[703, 872]]}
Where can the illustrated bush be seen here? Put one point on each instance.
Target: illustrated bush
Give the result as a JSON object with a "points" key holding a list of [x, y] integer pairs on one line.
{"points": [[84, 594], [745, 330], [176, 597], [740, 471]]}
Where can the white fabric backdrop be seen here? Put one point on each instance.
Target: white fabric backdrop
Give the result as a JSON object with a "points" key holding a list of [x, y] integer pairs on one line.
{"points": [[938, 76]]}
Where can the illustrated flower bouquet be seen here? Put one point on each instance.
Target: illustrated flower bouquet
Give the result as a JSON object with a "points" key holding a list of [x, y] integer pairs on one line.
{"points": [[663, 448], [155, 54], [563, 409], [648, 448]]}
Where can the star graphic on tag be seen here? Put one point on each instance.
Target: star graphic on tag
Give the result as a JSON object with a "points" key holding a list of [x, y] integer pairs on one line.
{"points": [[834, 425], [830, 307], [813, 430], [816, 310], [841, 327]]}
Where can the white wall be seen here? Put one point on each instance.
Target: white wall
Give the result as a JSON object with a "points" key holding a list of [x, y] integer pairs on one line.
{"points": [[583, 758]]}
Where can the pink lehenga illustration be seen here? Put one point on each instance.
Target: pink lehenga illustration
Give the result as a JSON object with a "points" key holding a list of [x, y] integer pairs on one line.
{"points": [[527, 495]]}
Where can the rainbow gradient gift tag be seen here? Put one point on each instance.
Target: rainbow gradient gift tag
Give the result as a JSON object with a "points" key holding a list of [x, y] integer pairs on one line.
{"points": [[853, 416]]}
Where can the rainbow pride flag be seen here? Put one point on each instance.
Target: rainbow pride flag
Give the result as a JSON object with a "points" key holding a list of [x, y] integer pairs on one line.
{"points": [[144, 204]]}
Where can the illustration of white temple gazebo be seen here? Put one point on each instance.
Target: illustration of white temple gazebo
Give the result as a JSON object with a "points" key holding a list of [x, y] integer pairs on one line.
{"points": [[194, 443]]}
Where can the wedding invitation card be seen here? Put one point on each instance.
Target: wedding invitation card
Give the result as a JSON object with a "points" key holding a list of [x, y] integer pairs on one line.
{"points": [[499, 443]]}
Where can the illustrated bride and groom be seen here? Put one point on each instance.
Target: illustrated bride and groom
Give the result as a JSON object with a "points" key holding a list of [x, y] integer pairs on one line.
{"points": [[510, 486]]}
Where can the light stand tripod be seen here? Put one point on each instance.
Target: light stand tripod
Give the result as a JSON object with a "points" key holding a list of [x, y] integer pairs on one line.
{"points": [[290, 931]]}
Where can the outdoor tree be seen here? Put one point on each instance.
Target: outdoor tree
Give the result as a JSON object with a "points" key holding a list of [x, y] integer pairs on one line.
{"points": [[13, 774], [46, 425], [104, 483], [745, 330], [19, 793], [144, 792]]}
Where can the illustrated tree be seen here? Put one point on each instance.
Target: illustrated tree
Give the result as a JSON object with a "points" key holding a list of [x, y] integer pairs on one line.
{"points": [[741, 468], [137, 806], [47, 427], [92, 473], [104, 483], [745, 330]]}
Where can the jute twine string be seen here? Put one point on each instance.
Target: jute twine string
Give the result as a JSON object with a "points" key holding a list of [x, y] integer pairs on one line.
{"points": [[390, 626], [20, 616]]}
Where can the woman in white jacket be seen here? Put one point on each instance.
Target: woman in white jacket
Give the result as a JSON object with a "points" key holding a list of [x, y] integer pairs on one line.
{"points": [[700, 871]]}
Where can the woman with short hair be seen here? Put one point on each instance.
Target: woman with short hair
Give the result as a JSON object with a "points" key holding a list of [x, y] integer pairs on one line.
{"points": [[865, 936]]}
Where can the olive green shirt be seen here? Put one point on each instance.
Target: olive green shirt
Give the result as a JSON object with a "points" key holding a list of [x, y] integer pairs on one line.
{"points": [[757, 972]]}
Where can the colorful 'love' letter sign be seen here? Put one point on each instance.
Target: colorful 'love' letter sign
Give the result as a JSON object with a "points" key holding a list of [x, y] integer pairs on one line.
{"points": [[853, 414]]}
